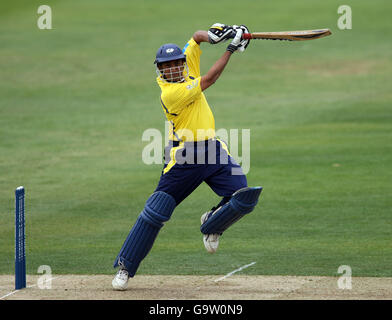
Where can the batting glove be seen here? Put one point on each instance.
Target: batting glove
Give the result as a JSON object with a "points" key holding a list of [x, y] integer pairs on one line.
{"points": [[244, 42], [219, 32], [235, 44]]}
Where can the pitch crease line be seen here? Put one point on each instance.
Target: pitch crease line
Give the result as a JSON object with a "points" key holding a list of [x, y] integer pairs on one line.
{"points": [[236, 270], [33, 285]]}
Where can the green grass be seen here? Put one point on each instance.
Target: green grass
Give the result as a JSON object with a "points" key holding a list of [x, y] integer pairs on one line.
{"points": [[75, 101]]}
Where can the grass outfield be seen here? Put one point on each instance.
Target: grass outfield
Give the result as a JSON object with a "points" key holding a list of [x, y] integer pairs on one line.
{"points": [[75, 101]]}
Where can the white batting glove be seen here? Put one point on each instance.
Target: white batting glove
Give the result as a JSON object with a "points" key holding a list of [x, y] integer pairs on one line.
{"points": [[244, 43], [235, 44]]}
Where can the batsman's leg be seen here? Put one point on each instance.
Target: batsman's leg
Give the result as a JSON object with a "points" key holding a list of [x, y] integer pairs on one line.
{"points": [[158, 209], [214, 223], [211, 241]]}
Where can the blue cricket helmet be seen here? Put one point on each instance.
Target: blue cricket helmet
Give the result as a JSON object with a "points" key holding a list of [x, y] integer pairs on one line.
{"points": [[169, 52]]}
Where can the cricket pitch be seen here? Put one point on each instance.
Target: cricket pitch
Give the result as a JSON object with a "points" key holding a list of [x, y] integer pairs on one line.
{"points": [[237, 287]]}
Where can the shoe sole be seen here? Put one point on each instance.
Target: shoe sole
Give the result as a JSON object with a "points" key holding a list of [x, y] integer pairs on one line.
{"points": [[208, 246], [206, 243]]}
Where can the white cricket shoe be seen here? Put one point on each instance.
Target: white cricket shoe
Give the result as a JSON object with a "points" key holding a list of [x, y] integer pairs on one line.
{"points": [[120, 281], [211, 241]]}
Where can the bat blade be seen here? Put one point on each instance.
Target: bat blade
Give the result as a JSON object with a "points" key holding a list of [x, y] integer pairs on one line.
{"points": [[289, 35]]}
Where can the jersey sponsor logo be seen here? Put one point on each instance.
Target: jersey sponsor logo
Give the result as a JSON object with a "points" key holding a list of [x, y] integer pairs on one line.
{"points": [[192, 85]]}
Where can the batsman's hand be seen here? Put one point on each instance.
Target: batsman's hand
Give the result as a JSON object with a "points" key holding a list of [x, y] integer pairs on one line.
{"points": [[219, 32], [236, 42], [244, 43]]}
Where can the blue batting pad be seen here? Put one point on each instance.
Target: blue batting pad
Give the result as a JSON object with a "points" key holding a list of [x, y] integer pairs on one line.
{"points": [[242, 202], [158, 209]]}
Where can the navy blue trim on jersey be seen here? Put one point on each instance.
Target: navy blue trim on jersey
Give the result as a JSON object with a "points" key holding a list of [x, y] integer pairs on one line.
{"points": [[174, 132], [186, 46], [167, 111]]}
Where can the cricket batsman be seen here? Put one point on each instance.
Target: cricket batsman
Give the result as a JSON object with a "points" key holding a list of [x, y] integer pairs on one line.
{"points": [[194, 154]]}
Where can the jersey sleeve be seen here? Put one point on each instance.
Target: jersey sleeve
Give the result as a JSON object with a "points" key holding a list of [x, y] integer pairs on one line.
{"points": [[192, 52], [180, 96]]}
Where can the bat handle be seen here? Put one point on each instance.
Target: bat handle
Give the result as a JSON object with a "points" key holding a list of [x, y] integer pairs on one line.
{"points": [[245, 36]]}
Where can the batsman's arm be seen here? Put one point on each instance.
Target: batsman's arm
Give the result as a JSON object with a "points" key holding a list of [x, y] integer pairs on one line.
{"points": [[200, 36], [215, 71]]}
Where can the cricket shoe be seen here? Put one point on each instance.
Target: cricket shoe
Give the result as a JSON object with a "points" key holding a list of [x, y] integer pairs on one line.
{"points": [[120, 281], [211, 241]]}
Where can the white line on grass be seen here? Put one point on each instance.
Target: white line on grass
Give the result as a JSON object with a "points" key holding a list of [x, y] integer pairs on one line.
{"points": [[236, 270], [33, 285]]}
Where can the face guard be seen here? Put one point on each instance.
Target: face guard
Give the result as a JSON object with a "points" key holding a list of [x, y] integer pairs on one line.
{"points": [[173, 74], [167, 53]]}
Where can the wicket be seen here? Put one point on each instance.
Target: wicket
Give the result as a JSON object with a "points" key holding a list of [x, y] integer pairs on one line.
{"points": [[20, 255]]}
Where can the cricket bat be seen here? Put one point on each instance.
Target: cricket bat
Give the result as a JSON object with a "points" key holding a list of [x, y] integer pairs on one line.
{"points": [[289, 35]]}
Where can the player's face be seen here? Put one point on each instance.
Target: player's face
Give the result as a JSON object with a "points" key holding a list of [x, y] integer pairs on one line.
{"points": [[172, 71]]}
